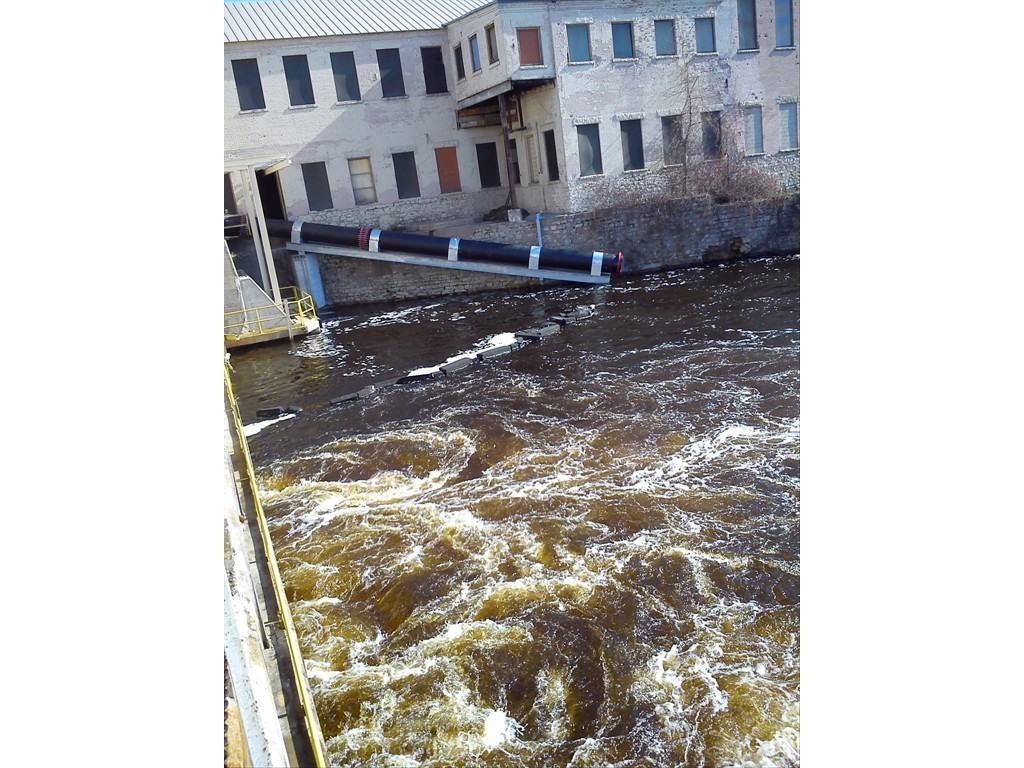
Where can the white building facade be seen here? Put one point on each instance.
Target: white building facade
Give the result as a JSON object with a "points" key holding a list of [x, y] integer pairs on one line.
{"points": [[390, 116]]}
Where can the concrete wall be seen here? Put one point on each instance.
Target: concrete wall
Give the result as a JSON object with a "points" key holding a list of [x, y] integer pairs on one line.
{"points": [[668, 235]]}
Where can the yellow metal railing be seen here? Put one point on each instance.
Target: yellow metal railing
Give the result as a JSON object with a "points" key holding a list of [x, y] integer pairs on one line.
{"points": [[316, 736], [252, 321]]}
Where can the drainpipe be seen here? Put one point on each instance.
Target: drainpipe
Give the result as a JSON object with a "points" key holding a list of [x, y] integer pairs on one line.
{"points": [[503, 107]]}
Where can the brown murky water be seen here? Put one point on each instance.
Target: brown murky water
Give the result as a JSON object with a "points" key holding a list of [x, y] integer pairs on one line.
{"points": [[581, 553]]}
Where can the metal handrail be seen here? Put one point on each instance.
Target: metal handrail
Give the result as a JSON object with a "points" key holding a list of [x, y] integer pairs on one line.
{"points": [[298, 306], [316, 736]]}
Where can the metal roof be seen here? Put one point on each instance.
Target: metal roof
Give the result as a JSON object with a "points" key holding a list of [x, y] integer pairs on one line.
{"points": [[285, 19]]}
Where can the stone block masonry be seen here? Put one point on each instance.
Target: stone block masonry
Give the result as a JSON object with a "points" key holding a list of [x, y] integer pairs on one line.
{"points": [[651, 237]]}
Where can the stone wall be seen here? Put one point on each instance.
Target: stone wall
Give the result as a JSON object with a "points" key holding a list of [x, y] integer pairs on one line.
{"points": [[652, 237]]}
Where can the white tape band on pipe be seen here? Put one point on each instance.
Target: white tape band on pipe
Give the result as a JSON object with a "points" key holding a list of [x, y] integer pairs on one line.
{"points": [[453, 249], [534, 256], [375, 241], [296, 231], [595, 265]]}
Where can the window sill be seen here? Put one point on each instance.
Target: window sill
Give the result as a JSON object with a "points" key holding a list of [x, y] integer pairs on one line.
{"points": [[748, 50], [252, 111], [347, 102], [592, 176], [756, 154], [589, 62], [785, 48], [439, 93], [394, 98], [625, 171], [627, 60], [709, 53], [301, 106], [666, 56], [788, 151], [542, 65], [493, 64]]}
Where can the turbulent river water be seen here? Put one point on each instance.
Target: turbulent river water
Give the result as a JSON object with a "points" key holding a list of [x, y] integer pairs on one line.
{"points": [[581, 553]]}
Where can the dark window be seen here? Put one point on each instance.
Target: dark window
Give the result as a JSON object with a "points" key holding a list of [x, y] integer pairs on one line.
{"points": [[448, 169], [783, 23], [433, 70], [705, 33], [665, 38], [711, 128], [552, 155], [515, 161], [622, 40], [579, 41], [487, 160], [492, 44], [752, 130], [632, 136], [229, 196], [787, 126], [300, 87], [346, 82], [748, 25], [672, 140], [318, 188], [405, 175], [589, 137], [529, 47], [391, 81], [248, 85], [460, 66], [474, 54]]}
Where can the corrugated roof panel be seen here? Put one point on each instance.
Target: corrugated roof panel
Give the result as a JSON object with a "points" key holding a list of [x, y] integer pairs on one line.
{"points": [[286, 19]]}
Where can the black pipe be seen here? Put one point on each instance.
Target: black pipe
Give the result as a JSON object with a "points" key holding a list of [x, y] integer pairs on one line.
{"points": [[429, 245]]}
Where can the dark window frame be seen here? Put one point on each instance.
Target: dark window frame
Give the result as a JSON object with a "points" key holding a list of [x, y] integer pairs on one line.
{"points": [[487, 166], [711, 134], [540, 50], [746, 20], [551, 153], [246, 88], [345, 83], [492, 44], [407, 179], [615, 42], [474, 54], [300, 83], [569, 46], [391, 76], [592, 133], [672, 141], [784, 22], [696, 35], [434, 74], [675, 44], [460, 64], [317, 184], [631, 135]]}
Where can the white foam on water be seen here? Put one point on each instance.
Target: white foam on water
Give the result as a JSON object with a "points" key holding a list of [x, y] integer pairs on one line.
{"points": [[499, 728], [252, 429], [492, 342]]}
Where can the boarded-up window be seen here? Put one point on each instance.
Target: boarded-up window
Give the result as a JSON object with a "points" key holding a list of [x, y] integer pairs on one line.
{"points": [[460, 65], [551, 152], [752, 130], [300, 87], [665, 38], [433, 70], [405, 175], [248, 85], [361, 172], [318, 188], [492, 44], [622, 40], [589, 138], [346, 82], [487, 161], [578, 37], [529, 47], [711, 128], [787, 126], [448, 169], [783, 23], [631, 133], [705, 33], [391, 81], [672, 140], [748, 25]]}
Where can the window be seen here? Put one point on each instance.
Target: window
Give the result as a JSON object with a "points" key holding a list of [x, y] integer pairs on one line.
{"points": [[300, 87], [248, 85], [492, 44], [672, 140], [405, 175], [318, 188], [448, 169], [515, 161], [665, 38], [346, 82], [787, 126], [433, 70], [392, 84], [460, 65], [474, 54], [487, 161], [361, 173], [711, 129], [622, 40], [552, 155], [579, 41], [531, 158], [705, 32], [229, 196], [783, 23], [631, 133], [748, 25], [529, 47], [752, 129], [589, 137]]}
